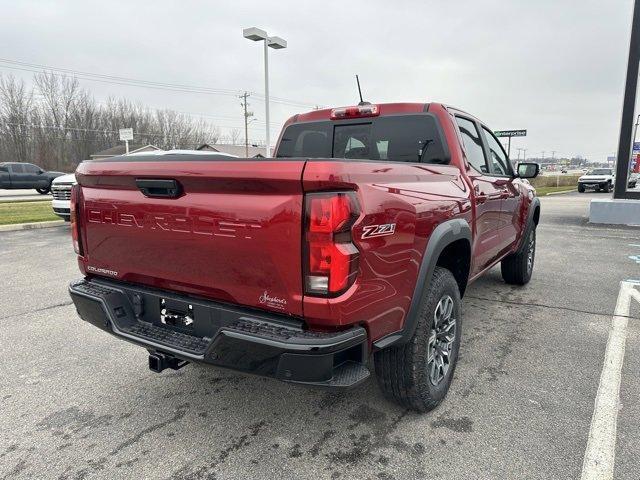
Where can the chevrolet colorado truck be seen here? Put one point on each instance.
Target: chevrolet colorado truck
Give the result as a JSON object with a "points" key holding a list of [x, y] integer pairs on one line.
{"points": [[348, 251]]}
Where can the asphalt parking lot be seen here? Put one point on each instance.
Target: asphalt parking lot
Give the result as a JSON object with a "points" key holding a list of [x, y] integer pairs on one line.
{"points": [[77, 403]]}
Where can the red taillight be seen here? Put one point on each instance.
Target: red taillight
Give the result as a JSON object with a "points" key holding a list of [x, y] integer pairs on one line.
{"points": [[355, 112], [331, 257], [74, 215]]}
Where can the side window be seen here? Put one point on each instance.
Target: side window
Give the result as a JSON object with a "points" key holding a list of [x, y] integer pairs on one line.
{"points": [[4, 168], [30, 168], [472, 144], [498, 157], [17, 168]]}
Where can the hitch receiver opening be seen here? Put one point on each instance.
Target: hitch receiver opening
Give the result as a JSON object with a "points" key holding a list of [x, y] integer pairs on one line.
{"points": [[159, 361]]}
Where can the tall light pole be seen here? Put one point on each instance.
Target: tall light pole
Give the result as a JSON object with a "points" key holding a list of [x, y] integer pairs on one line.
{"points": [[277, 43]]}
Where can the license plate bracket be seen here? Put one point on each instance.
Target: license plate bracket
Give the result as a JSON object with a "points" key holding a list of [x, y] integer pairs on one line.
{"points": [[176, 314]]}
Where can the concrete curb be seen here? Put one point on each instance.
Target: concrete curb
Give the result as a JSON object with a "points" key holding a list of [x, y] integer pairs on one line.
{"points": [[31, 226], [560, 193]]}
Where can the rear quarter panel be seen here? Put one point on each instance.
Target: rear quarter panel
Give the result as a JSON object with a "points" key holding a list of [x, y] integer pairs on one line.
{"points": [[414, 197]]}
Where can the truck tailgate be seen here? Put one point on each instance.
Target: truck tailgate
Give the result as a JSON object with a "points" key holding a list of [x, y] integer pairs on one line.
{"points": [[233, 234]]}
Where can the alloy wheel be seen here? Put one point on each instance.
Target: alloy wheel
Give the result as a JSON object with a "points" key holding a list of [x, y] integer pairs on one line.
{"points": [[441, 339], [531, 251]]}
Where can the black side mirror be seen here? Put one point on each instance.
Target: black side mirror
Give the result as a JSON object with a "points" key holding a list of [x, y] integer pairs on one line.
{"points": [[528, 170]]}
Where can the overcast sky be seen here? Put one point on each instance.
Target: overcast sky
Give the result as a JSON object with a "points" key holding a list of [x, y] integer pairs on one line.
{"points": [[553, 67]]}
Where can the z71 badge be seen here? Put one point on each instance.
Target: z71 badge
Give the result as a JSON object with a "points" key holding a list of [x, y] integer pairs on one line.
{"points": [[378, 230]]}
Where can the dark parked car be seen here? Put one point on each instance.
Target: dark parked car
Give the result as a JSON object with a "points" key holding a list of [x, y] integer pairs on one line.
{"points": [[14, 175]]}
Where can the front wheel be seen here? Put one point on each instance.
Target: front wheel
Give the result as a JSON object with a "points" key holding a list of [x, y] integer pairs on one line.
{"points": [[607, 188], [43, 191], [417, 375], [517, 268], [581, 188]]}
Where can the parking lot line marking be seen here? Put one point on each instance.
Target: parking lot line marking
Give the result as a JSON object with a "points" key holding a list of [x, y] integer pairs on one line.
{"points": [[599, 457]]}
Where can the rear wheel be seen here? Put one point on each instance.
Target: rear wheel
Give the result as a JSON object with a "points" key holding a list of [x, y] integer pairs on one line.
{"points": [[43, 191], [517, 268], [607, 188], [581, 188], [417, 375]]}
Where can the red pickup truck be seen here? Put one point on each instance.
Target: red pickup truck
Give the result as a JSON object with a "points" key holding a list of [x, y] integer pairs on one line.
{"points": [[354, 243]]}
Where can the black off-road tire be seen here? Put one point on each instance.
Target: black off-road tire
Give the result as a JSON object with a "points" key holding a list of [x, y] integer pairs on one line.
{"points": [[517, 268], [580, 188], [43, 191], [403, 372]]}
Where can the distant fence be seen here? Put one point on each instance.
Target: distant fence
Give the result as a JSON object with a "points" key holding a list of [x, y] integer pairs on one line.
{"points": [[555, 180]]}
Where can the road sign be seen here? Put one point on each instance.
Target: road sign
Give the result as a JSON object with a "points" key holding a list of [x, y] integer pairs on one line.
{"points": [[510, 133], [126, 134]]}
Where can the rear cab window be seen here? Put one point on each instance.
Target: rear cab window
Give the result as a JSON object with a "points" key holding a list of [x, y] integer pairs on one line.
{"points": [[399, 138]]}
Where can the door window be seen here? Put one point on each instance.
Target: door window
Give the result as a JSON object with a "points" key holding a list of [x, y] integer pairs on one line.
{"points": [[472, 144], [30, 168], [17, 168], [498, 157]]}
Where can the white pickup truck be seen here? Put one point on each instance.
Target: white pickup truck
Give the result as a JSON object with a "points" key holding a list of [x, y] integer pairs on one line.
{"points": [[61, 193], [599, 179]]}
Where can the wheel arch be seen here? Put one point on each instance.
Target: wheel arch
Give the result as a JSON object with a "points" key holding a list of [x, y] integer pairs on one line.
{"points": [[449, 238]]}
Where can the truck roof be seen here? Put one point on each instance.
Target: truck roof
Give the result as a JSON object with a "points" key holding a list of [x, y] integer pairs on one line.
{"points": [[383, 108]]}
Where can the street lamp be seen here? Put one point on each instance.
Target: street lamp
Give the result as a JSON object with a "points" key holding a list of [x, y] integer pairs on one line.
{"points": [[277, 43]]}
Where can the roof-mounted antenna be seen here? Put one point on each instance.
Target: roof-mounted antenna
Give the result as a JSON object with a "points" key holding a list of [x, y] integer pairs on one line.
{"points": [[362, 102]]}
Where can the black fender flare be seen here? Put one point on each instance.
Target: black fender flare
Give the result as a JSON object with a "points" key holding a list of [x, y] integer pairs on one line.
{"points": [[531, 222], [444, 234]]}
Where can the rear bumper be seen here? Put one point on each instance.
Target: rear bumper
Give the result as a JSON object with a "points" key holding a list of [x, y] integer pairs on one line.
{"points": [[236, 338]]}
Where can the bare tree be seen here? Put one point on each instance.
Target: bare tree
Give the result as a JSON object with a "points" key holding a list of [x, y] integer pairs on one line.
{"points": [[16, 105], [234, 135], [57, 124]]}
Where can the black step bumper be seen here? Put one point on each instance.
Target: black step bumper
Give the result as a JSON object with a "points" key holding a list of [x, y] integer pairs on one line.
{"points": [[240, 339]]}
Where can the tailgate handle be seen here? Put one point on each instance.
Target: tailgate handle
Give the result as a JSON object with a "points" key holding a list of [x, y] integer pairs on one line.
{"points": [[159, 188]]}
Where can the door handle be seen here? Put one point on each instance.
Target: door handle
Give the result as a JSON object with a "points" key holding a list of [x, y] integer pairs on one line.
{"points": [[481, 198], [159, 187]]}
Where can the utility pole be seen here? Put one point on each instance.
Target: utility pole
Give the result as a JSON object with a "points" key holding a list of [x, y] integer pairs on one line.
{"points": [[524, 157], [519, 151], [246, 122]]}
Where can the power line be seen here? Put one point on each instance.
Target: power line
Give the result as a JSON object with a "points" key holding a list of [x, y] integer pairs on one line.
{"points": [[117, 80], [104, 131]]}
